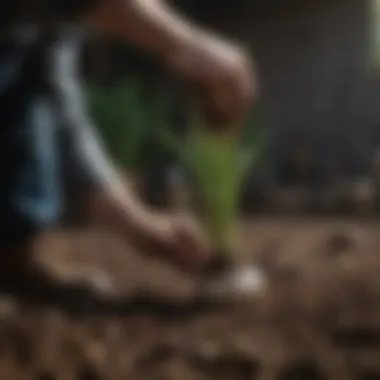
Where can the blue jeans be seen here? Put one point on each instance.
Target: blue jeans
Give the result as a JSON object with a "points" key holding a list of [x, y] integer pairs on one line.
{"points": [[29, 186]]}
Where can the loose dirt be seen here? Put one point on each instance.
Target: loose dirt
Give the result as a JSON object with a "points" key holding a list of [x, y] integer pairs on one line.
{"points": [[319, 318]]}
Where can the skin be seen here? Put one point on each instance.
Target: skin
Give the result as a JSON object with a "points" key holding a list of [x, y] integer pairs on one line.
{"points": [[218, 73]]}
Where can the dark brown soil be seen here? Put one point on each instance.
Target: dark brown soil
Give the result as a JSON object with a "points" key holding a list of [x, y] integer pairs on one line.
{"points": [[319, 319]]}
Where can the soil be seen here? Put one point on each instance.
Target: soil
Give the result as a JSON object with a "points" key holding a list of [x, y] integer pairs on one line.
{"points": [[318, 319]]}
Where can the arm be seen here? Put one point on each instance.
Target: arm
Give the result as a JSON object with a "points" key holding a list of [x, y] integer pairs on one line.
{"points": [[220, 73], [168, 238], [150, 24], [95, 168]]}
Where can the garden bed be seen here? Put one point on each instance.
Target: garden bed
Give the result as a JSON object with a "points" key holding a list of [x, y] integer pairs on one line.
{"points": [[319, 318]]}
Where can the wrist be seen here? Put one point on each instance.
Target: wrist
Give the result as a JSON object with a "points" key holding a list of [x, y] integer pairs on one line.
{"points": [[125, 205], [117, 206]]}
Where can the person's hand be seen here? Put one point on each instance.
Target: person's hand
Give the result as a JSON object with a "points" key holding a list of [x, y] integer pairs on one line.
{"points": [[174, 238], [222, 77]]}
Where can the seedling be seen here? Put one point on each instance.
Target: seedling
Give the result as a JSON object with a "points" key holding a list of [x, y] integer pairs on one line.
{"points": [[218, 164]]}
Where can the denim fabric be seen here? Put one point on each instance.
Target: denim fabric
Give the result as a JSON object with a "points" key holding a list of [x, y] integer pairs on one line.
{"points": [[29, 182]]}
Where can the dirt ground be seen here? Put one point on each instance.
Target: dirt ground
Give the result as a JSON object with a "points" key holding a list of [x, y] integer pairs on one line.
{"points": [[319, 318]]}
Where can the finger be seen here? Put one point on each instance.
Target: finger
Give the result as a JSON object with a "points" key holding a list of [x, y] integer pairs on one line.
{"points": [[194, 242]]}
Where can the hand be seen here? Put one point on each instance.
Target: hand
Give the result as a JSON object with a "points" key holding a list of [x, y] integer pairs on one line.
{"points": [[222, 76], [174, 238]]}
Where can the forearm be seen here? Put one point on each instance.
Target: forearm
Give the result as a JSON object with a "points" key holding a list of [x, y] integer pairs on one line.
{"points": [[150, 24], [109, 195], [88, 156]]}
